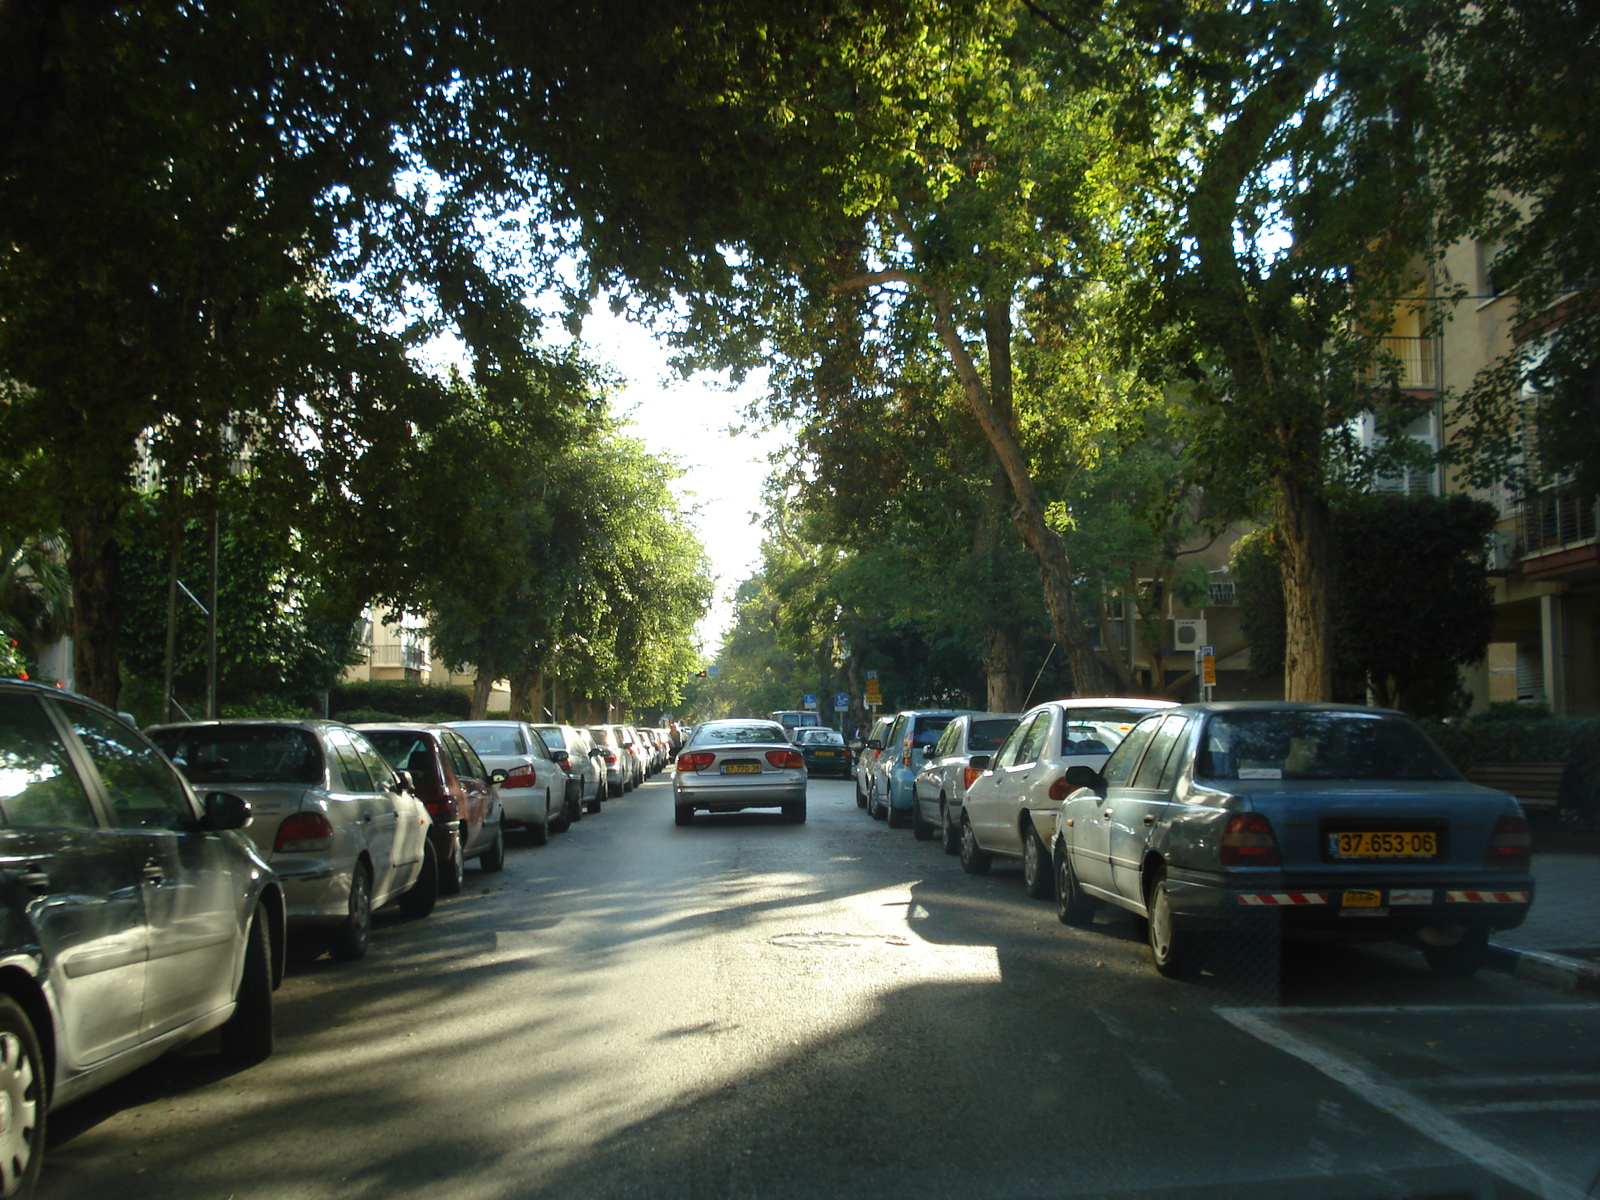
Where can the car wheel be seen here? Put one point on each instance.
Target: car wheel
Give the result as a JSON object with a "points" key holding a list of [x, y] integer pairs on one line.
{"points": [[874, 810], [1072, 906], [560, 820], [949, 832], [539, 832], [1036, 873], [899, 818], [921, 828], [974, 861], [417, 901], [1462, 959], [494, 858], [682, 814], [350, 939], [454, 870], [796, 812], [246, 1037], [1172, 950], [575, 806], [861, 797], [22, 1092], [599, 798]]}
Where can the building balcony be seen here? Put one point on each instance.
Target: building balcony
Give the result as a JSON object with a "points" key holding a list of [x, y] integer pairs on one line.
{"points": [[1557, 536], [411, 658], [1415, 358]]}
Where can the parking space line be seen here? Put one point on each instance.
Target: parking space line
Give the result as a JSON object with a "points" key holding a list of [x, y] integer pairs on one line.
{"points": [[1513, 1081], [1406, 1107], [1526, 1106]]}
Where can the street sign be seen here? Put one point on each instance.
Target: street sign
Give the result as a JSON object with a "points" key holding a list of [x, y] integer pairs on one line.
{"points": [[869, 676], [874, 693], [1208, 666], [713, 669], [810, 700], [841, 701]]}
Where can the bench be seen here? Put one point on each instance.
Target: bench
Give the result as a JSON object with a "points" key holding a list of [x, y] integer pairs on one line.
{"points": [[1535, 784]]}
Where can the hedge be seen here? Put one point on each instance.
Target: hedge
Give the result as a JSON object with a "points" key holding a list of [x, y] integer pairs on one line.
{"points": [[410, 701], [1495, 739]]}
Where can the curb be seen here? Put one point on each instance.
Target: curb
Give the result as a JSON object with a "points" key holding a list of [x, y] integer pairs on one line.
{"points": [[1552, 970]]}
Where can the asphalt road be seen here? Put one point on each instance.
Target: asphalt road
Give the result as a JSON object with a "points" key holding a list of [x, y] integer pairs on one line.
{"points": [[747, 1008]]}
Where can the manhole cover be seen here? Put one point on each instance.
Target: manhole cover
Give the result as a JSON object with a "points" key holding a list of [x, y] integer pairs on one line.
{"points": [[808, 940]]}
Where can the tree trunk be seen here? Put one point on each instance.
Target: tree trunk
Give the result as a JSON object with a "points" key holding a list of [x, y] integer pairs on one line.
{"points": [[94, 567], [522, 695], [1302, 519], [1002, 664], [1090, 672], [482, 685]]}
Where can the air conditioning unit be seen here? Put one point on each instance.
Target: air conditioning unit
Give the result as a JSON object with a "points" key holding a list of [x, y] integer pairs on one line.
{"points": [[1188, 636]]}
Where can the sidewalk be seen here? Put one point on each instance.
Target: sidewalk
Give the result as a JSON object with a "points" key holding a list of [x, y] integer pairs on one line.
{"points": [[1559, 943]]}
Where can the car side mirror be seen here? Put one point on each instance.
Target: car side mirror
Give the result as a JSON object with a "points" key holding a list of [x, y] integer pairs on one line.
{"points": [[499, 775], [927, 752], [560, 757], [874, 744], [224, 810], [1086, 777], [404, 783], [980, 761]]}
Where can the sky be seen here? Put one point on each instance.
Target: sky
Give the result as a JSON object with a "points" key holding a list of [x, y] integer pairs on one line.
{"points": [[691, 419]]}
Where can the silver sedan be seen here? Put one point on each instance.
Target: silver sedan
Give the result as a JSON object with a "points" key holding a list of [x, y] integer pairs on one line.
{"points": [[736, 764]]}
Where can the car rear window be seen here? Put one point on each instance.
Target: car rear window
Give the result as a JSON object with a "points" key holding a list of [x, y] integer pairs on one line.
{"points": [[822, 737], [925, 731], [1312, 744], [243, 754], [986, 736], [740, 732], [493, 739]]}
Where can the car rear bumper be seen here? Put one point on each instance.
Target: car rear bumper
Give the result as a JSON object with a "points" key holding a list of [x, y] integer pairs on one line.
{"points": [[731, 793], [1357, 907]]}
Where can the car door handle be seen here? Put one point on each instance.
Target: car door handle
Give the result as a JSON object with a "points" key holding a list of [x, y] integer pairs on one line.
{"points": [[153, 873], [1150, 819], [1108, 813], [34, 881]]}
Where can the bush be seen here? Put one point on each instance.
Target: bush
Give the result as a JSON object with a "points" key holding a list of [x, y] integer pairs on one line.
{"points": [[1496, 737], [398, 701], [280, 707]]}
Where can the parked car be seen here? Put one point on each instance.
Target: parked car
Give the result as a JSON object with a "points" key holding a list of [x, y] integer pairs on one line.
{"points": [[889, 785], [534, 791], [618, 765], [735, 764], [456, 788], [633, 745], [825, 752], [1011, 808], [867, 757], [574, 753], [345, 835], [961, 754], [137, 919], [1325, 820]]}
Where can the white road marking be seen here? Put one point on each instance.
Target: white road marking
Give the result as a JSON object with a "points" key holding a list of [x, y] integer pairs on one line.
{"points": [[1525, 1106], [1426, 1119], [1513, 1081]]}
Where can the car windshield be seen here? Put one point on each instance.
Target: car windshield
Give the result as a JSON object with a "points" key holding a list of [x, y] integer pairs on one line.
{"points": [[397, 745], [985, 736], [926, 730], [1313, 744], [820, 737], [735, 733], [243, 754], [494, 739]]}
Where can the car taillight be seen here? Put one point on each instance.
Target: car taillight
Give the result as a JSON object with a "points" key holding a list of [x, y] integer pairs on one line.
{"points": [[905, 759], [1061, 789], [786, 759], [1510, 844], [968, 774], [1249, 841], [610, 756], [698, 760], [302, 833], [441, 810], [521, 777]]}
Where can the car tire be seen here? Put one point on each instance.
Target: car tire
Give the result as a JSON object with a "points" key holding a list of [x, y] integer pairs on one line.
{"points": [[1037, 875], [949, 832], [350, 938], [417, 901], [682, 814], [874, 810], [575, 806], [921, 828], [1072, 906], [974, 860], [796, 812], [1462, 959], [539, 832], [1172, 949], [899, 818], [599, 798], [861, 797], [494, 856], [22, 1084], [246, 1037], [452, 876]]}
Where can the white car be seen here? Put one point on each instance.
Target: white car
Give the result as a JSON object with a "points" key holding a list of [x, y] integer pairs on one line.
{"points": [[959, 757], [1011, 808], [331, 817], [867, 757], [575, 754], [533, 793], [736, 764]]}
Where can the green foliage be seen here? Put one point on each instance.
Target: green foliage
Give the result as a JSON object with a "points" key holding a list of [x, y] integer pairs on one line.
{"points": [[269, 706], [395, 700], [1468, 741], [1259, 585]]}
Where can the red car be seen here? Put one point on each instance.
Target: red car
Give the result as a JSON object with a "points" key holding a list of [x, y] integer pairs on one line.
{"points": [[455, 787]]}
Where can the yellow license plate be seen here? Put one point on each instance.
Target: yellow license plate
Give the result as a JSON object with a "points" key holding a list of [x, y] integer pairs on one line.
{"points": [[741, 768], [1373, 844], [823, 753], [1363, 900]]}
